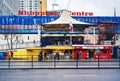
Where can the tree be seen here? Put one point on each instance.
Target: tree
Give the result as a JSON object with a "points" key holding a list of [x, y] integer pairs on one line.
{"points": [[10, 39]]}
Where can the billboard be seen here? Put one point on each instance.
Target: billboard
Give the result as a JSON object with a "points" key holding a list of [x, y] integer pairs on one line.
{"points": [[26, 22]]}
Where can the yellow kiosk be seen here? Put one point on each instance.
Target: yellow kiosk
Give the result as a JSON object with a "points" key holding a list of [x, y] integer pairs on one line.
{"points": [[48, 52]]}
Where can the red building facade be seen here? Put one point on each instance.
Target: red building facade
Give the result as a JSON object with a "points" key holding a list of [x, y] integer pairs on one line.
{"points": [[89, 51]]}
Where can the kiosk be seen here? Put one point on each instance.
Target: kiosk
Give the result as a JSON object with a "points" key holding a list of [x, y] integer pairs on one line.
{"points": [[89, 51]]}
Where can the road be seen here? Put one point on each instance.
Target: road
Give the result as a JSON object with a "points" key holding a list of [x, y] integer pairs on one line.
{"points": [[60, 75]]}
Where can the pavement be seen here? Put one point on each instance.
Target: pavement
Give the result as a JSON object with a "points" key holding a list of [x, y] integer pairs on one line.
{"points": [[60, 75], [60, 64]]}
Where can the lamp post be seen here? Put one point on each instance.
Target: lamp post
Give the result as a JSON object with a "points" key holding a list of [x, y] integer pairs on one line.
{"points": [[54, 4], [2, 9], [94, 36], [98, 54], [70, 32], [40, 29]]}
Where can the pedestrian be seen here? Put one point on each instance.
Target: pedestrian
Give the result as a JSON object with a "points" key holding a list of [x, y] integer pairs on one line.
{"points": [[40, 56], [77, 55], [11, 54], [57, 55], [7, 55], [80, 54], [45, 55], [70, 54]]}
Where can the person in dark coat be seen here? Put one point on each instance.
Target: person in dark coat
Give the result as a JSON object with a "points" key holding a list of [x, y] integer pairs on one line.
{"points": [[45, 55], [11, 54], [40, 56], [57, 55], [78, 55]]}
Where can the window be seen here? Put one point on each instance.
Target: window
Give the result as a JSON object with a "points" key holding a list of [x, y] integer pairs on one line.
{"points": [[105, 51], [36, 4], [30, 4], [22, 41], [16, 38], [21, 4], [30, 9], [28, 38]]}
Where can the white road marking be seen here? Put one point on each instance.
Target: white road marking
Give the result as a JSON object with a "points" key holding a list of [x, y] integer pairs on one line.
{"points": [[86, 75]]}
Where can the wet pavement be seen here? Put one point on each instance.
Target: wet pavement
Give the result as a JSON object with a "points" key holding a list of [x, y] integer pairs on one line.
{"points": [[60, 75]]}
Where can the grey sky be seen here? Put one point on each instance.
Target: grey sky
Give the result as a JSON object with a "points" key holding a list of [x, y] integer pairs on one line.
{"points": [[98, 7]]}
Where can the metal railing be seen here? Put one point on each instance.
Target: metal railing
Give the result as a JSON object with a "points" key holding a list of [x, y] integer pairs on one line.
{"points": [[30, 62]]}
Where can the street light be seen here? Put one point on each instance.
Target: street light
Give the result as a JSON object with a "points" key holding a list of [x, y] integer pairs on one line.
{"points": [[54, 4], [40, 25], [94, 39], [98, 51]]}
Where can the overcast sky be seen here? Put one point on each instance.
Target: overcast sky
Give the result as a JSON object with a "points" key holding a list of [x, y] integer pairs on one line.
{"points": [[98, 7]]}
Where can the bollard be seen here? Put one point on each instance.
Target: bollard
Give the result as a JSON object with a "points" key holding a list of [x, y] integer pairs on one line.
{"points": [[9, 62], [54, 61], [119, 61], [77, 61], [98, 51], [98, 61]]}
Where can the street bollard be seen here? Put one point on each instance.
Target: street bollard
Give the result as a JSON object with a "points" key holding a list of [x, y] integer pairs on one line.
{"points": [[54, 61], [9, 62], [77, 61], [119, 61], [98, 51], [98, 61]]}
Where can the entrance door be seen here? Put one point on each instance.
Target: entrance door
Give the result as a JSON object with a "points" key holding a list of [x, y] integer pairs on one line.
{"points": [[90, 53]]}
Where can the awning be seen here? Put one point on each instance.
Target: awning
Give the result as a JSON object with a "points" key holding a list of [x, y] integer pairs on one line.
{"points": [[59, 47]]}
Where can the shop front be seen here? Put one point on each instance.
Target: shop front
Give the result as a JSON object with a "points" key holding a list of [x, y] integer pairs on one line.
{"points": [[60, 52], [90, 51]]}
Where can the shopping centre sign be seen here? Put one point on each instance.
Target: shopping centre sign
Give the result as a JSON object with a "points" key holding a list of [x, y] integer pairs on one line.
{"points": [[55, 13]]}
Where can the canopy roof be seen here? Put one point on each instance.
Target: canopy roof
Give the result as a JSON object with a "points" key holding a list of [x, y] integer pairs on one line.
{"points": [[63, 24], [65, 18]]}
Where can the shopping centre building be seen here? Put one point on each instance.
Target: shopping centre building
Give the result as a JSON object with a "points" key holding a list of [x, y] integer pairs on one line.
{"points": [[57, 36], [80, 33]]}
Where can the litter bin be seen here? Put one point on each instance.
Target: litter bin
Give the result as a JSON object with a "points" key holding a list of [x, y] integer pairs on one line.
{"points": [[2, 55]]}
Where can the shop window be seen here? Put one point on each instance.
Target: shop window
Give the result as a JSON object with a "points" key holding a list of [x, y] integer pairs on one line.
{"points": [[28, 38], [17, 38], [33, 41], [22, 41], [66, 42]]}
